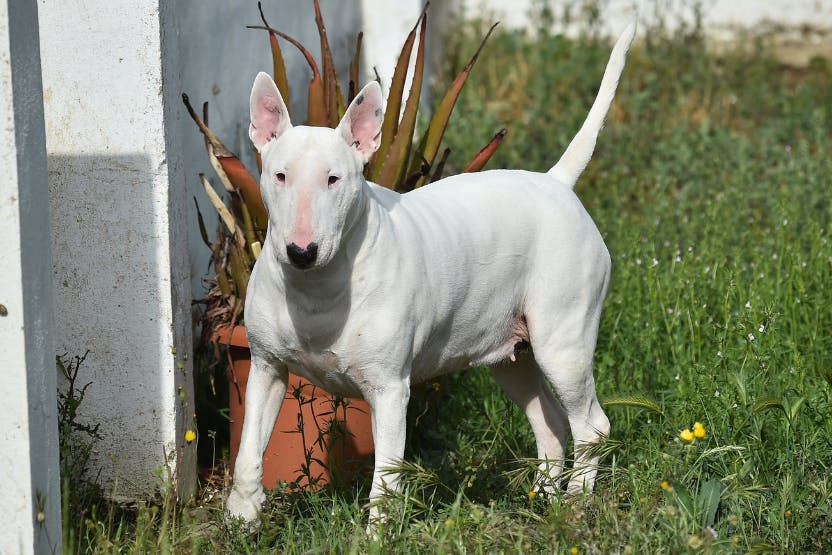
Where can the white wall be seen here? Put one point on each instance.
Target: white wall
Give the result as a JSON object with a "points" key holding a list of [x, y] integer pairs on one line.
{"points": [[28, 428], [801, 28], [119, 228]]}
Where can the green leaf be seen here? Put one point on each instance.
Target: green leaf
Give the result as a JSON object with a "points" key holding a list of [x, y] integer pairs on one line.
{"points": [[768, 404], [279, 68], [390, 124], [429, 145], [707, 501], [683, 497], [396, 160]]}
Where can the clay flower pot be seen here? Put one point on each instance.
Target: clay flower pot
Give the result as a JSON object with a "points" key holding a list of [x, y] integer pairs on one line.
{"points": [[314, 437]]}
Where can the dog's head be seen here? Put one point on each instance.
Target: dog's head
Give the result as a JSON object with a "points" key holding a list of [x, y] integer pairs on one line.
{"points": [[312, 176]]}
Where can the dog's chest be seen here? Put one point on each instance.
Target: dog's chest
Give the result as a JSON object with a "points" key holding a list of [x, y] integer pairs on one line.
{"points": [[325, 369]]}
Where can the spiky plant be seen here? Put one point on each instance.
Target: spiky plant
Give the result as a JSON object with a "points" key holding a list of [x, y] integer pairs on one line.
{"points": [[401, 163]]}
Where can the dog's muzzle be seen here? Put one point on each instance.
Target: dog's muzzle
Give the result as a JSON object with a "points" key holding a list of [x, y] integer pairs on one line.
{"points": [[302, 258]]}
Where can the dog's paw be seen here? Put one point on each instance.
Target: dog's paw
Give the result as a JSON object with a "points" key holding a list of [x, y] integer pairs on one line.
{"points": [[244, 508]]}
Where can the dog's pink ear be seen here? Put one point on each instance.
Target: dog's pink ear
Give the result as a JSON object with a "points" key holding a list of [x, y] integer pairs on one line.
{"points": [[269, 116], [361, 124]]}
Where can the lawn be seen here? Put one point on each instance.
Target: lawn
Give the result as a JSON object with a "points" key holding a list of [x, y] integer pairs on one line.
{"points": [[711, 186]]}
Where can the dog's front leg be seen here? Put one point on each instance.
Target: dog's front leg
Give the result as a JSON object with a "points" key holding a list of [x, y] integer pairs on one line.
{"points": [[389, 414], [265, 390]]}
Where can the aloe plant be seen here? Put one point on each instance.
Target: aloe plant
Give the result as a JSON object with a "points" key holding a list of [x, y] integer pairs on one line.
{"points": [[398, 164]]}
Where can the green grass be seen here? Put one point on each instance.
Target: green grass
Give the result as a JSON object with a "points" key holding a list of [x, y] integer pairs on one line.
{"points": [[711, 185]]}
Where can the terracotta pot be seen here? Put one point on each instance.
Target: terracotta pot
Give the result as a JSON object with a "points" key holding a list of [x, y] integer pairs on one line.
{"points": [[345, 451]]}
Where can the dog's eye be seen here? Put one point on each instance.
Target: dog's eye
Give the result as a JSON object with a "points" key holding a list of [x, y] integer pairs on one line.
{"points": [[333, 179], [280, 178]]}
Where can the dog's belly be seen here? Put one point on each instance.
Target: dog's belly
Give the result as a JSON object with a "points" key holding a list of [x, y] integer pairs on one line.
{"points": [[469, 347]]}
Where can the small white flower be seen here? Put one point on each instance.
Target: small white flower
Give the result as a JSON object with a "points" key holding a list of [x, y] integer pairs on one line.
{"points": [[678, 258], [734, 406], [774, 256], [638, 261], [719, 354], [761, 329], [785, 223], [677, 378], [670, 311], [707, 270], [748, 304], [716, 393], [655, 262], [751, 337], [803, 264]]}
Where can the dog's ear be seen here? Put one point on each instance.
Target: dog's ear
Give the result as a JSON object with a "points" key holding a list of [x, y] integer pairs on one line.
{"points": [[361, 125], [269, 116]]}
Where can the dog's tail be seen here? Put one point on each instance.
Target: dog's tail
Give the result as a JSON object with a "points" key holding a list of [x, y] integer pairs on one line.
{"points": [[577, 155]]}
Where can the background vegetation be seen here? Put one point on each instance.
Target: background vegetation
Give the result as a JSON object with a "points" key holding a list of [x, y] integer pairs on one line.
{"points": [[711, 185]]}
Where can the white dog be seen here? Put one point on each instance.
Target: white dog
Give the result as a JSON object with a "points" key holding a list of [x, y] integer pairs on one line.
{"points": [[364, 291]]}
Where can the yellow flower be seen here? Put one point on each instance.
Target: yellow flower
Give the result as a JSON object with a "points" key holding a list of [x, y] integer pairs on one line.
{"points": [[190, 435], [665, 485], [788, 513], [686, 435], [532, 494], [698, 430], [573, 550], [449, 522], [436, 386]]}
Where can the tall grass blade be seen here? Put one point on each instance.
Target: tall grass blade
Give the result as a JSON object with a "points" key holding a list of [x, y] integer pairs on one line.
{"points": [[638, 401]]}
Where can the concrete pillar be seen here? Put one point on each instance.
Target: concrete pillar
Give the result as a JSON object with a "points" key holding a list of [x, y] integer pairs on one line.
{"points": [[119, 233], [31, 501]]}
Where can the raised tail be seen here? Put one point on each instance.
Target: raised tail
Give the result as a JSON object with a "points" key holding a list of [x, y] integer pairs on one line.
{"points": [[577, 155]]}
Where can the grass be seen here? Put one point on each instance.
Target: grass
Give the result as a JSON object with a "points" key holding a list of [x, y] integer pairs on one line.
{"points": [[711, 185]]}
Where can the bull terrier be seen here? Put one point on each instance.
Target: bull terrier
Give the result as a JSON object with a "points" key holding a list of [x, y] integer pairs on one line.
{"points": [[364, 291]]}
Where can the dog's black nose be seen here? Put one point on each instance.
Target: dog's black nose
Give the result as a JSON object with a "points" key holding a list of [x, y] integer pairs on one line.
{"points": [[302, 258]]}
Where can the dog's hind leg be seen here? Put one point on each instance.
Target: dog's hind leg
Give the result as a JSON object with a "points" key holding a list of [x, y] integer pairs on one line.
{"points": [[570, 372], [266, 387], [524, 384]]}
